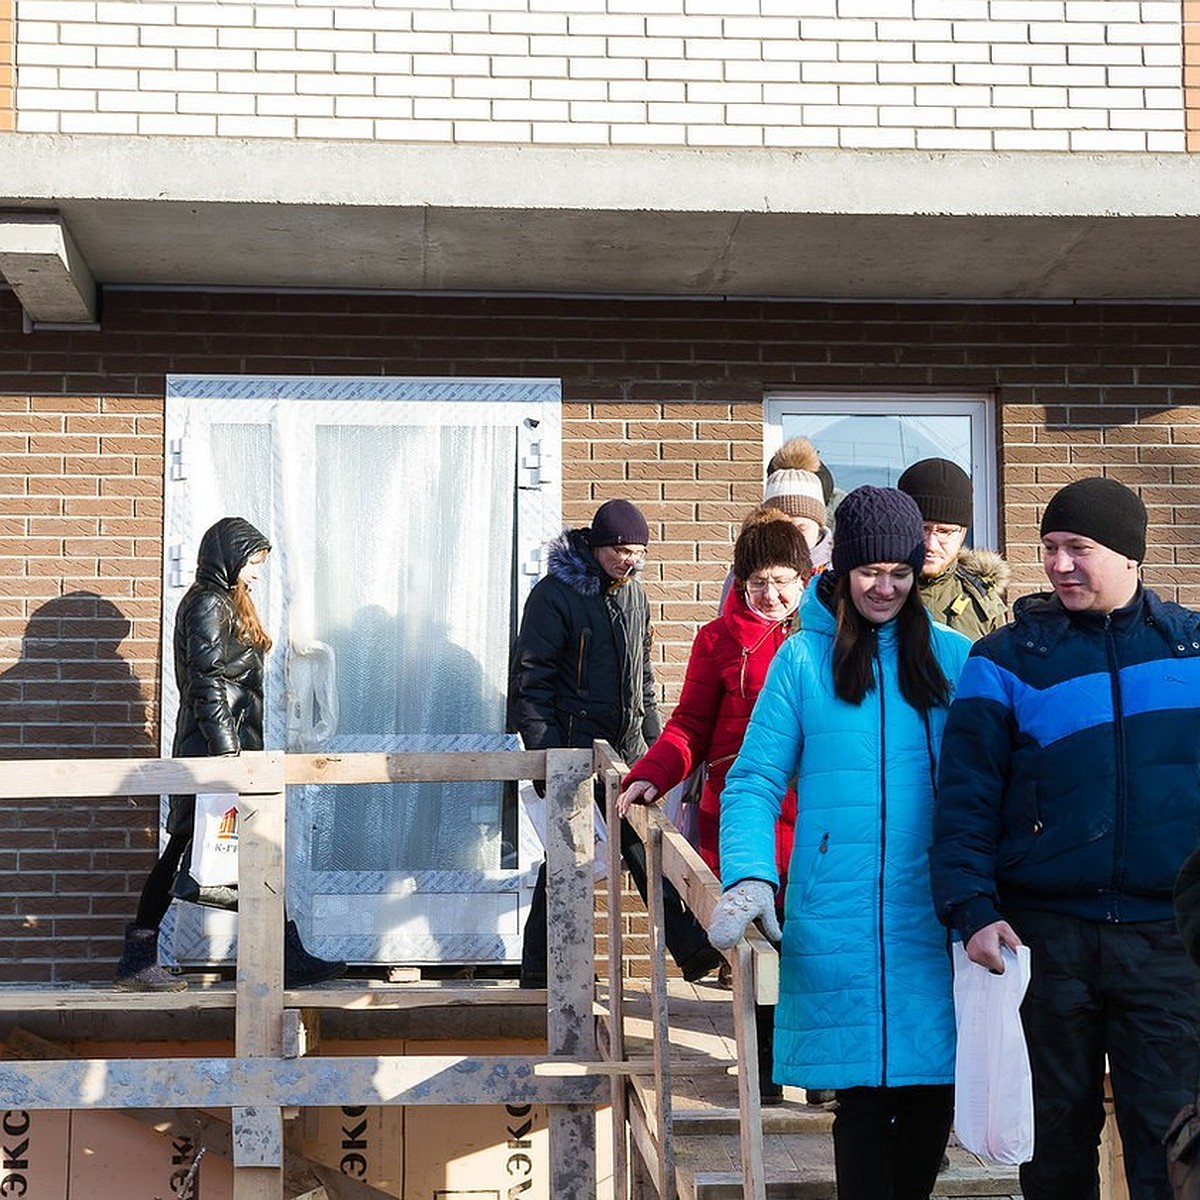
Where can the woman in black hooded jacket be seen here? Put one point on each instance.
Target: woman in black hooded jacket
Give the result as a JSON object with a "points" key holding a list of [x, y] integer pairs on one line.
{"points": [[219, 648]]}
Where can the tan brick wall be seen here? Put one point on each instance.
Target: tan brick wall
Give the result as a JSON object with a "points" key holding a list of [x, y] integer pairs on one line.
{"points": [[80, 563], [1191, 73], [694, 470], [663, 403]]}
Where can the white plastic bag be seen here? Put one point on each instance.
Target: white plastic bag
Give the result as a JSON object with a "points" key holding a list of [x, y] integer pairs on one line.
{"points": [[215, 840], [535, 809], [993, 1085]]}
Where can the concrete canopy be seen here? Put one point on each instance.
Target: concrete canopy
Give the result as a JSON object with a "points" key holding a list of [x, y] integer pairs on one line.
{"points": [[857, 224]]}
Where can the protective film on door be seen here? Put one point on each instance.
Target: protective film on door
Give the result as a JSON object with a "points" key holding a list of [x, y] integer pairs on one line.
{"points": [[406, 518]]}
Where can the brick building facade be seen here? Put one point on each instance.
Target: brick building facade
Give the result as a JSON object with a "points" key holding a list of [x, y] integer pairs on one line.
{"points": [[680, 209], [662, 401]]}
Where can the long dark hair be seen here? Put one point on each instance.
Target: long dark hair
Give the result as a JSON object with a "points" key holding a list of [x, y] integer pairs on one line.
{"points": [[923, 683]]}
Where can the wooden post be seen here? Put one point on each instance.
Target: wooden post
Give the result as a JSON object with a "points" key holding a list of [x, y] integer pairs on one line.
{"points": [[616, 987], [754, 1175], [571, 957], [660, 1011], [258, 1130]]}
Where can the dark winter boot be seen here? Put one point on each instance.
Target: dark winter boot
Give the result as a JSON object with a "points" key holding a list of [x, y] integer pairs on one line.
{"points": [[301, 968], [138, 970]]}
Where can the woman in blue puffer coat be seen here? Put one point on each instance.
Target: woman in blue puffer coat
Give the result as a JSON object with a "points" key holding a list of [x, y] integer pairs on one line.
{"points": [[853, 709]]}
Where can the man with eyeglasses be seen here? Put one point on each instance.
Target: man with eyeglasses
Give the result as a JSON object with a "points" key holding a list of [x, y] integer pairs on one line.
{"points": [[962, 588], [581, 670]]}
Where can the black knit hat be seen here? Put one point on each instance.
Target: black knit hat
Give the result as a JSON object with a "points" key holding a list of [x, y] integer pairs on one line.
{"points": [[825, 475], [1101, 509], [942, 490], [619, 523], [769, 539], [878, 525]]}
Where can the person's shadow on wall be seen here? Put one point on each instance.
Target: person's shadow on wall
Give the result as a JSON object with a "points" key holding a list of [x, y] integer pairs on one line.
{"points": [[68, 867]]}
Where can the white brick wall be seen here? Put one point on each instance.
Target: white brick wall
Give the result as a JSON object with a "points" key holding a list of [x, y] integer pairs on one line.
{"points": [[1087, 75]]}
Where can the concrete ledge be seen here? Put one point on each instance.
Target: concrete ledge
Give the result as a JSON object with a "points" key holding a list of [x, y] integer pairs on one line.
{"points": [[160, 211], [57, 168], [42, 265]]}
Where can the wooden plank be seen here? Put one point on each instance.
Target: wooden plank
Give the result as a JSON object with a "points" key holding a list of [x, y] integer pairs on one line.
{"points": [[255, 771], [571, 957], [458, 766], [353, 995], [251, 772], [305, 1082], [646, 1150], [258, 1126], [209, 1130], [105, 998], [260, 927]]}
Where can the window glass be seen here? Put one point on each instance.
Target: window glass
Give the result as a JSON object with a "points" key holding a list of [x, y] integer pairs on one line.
{"points": [[873, 439]]}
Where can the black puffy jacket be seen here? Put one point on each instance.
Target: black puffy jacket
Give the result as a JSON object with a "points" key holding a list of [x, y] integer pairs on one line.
{"points": [[581, 667], [219, 676]]}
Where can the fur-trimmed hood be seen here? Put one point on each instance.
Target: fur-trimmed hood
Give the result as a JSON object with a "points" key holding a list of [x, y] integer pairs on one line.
{"points": [[988, 566], [570, 560]]}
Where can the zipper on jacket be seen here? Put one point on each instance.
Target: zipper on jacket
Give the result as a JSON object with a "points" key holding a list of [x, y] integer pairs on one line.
{"points": [[1110, 650], [629, 687], [749, 650], [883, 1040], [584, 638]]}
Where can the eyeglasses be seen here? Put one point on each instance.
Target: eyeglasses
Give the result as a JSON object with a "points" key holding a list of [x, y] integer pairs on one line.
{"points": [[942, 533], [636, 553], [760, 586]]}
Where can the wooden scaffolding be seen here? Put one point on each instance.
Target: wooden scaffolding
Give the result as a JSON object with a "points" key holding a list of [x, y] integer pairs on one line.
{"points": [[276, 1065]]}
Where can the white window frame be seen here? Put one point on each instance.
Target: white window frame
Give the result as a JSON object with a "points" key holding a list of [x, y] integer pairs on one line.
{"points": [[979, 407]]}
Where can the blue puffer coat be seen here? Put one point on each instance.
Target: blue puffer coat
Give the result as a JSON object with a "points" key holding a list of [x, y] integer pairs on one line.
{"points": [[865, 991]]}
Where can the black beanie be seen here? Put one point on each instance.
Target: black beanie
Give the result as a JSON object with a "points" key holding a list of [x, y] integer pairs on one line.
{"points": [[825, 475], [942, 490], [1101, 509], [619, 523], [877, 525]]}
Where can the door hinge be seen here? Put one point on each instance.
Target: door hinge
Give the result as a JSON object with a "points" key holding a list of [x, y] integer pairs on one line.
{"points": [[176, 460], [175, 565], [533, 562], [534, 468]]}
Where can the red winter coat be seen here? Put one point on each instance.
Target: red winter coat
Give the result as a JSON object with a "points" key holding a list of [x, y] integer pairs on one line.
{"points": [[725, 672]]}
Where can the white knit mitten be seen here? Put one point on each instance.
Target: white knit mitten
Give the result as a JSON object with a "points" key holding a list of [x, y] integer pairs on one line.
{"points": [[750, 900]]}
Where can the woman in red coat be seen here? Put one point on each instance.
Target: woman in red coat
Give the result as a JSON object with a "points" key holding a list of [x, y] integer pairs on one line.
{"points": [[725, 673]]}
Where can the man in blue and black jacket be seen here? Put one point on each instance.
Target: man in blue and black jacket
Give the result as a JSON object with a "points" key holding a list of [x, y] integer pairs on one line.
{"points": [[1069, 796]]}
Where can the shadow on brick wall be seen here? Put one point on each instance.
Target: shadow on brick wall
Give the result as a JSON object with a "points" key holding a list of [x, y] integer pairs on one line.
{"points": [[69, 867], [71, 694]]}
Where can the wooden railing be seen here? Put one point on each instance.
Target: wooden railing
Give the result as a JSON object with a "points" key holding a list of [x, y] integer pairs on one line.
{"points": [[755, 968], [271, 1070]]}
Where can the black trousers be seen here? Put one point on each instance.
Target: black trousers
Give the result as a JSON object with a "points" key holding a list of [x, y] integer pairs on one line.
{"points": [[156, 891], [1128, 991], [888, 1142], [685, 936]]}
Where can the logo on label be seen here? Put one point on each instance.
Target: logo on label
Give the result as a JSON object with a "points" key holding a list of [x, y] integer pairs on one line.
{"points": [[228, 829]]}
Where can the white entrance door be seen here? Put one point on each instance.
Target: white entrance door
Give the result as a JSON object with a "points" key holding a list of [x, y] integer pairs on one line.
{"points": [[406, 517]]}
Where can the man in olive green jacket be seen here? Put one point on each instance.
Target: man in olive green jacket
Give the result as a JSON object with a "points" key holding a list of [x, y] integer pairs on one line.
{"points": [[961, 588]]}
